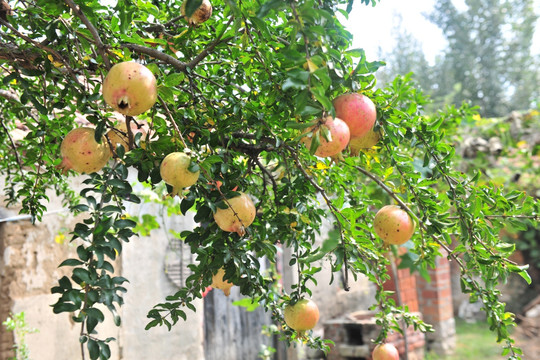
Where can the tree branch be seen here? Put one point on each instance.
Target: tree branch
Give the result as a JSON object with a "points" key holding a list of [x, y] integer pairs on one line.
{"points": [[156, 54], [9, 95], [43, 47], [100, 46], [14, 147]]}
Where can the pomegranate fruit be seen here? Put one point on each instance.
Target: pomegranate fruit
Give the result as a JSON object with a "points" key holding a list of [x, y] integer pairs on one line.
{"points": [[358, 111], [219, 283], [385, 352], [239, 217], [338, 139], [130, 88], [370, 139], [301, 316], [175, 171], [200, 14], [393, 225], [82, 153], [118, 135]]}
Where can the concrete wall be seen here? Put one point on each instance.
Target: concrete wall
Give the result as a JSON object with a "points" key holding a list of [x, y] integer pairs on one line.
{"points": [[29, 258]]}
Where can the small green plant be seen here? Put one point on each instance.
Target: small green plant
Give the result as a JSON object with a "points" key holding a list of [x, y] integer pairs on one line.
{"points": [[17, 324]]}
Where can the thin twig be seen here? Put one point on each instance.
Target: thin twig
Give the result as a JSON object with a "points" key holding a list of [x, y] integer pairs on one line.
{"points": [[400, 303], [14, 147], [97, 39], [173, 123]]}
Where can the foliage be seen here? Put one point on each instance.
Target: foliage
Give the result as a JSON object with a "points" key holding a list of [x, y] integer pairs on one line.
{"points": [[487, 62], [237, 92], [17, 324]]}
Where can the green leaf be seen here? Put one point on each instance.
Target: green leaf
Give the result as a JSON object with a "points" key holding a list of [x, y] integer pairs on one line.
{"points": [[124, 223], [93, 349], [192, 6], [70, 262], [315, 142], [247, 303]]}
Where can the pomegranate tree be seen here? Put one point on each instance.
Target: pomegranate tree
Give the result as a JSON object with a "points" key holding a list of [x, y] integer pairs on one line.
{"points": [[82, 153], [200, 14], [393, 225], [175, 171], [333, 135], [358, 111], [385, 352], [238, 215], [130, 88], [219, 283], [302, 315]]}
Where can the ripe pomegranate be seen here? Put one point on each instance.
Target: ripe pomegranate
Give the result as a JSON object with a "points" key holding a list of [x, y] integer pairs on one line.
{"points": [[219, 283], [130, 88], [200, 15], [393, 225], [239, 217], [370, 139], [118, 135], [81, 152], [301, 316], [358, 111], [175, 171], [339, 137], [385, 352]]}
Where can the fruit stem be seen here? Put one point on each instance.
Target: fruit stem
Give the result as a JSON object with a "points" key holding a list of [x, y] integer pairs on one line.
{"points": [[400, 303]]}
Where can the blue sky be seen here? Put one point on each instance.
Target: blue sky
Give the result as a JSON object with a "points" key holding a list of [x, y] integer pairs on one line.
{"points": [[372, 26]]}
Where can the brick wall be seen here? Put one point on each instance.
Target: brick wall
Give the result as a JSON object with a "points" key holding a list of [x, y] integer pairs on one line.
{"points": [[435, 300], [407, 288]]}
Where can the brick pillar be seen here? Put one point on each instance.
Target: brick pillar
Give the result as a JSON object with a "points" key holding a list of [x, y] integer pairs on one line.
{"points": [[407, 287], [435, 300], [409, 297]]}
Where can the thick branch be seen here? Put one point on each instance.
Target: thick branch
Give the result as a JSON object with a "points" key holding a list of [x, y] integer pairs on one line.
{"points": [[25, 58], [100, 46], [9, 95]]}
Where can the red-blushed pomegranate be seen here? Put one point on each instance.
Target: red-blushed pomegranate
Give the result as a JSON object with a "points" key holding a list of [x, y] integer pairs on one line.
{"points": [[339, 137], [175, 171], [118, 135], [393, 225], [219, 283], [369, 140], [200, 15], [238, 215], [82, 153], [301, 316], [130, 88], [385, 352], [358, 111]]}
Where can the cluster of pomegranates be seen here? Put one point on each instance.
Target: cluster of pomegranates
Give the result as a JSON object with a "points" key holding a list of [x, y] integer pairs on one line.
{"points": [[353, 126], [129, 88]]}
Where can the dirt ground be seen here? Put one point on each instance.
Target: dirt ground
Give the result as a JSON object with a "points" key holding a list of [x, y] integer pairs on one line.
{"points": [[527, 337]]}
